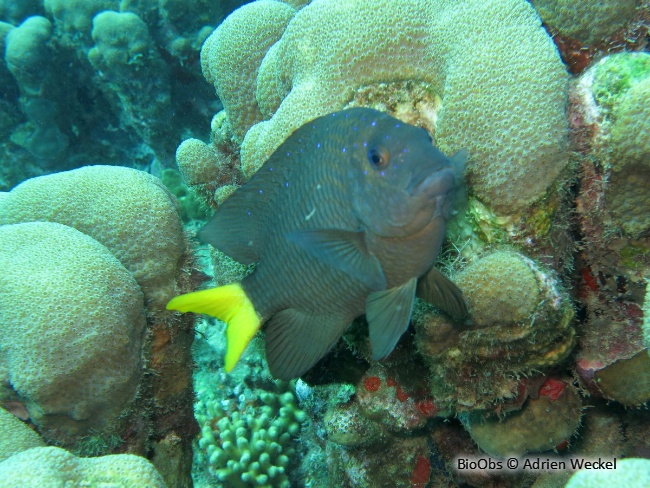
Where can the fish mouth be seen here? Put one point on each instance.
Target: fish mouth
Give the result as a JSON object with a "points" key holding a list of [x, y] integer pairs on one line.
{"points": [[436, 184]]}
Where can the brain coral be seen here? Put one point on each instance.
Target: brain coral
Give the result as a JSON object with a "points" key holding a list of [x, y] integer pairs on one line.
{"points": [[72, 328], [55, 467], [499, 78], [128, 211]]}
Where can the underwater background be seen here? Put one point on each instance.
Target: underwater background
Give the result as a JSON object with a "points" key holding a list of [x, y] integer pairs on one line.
{"points": [[125, 124]]}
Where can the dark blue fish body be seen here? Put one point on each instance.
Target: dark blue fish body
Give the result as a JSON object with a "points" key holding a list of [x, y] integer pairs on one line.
{"points": [[342, 220]]}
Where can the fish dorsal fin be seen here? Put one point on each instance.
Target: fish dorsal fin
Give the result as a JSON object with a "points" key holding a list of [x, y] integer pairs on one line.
{"points": [[235, 229], [296, 340], [388, 313], [440, 291], [344, 250]]}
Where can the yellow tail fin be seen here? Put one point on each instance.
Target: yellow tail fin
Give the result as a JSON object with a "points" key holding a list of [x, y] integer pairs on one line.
{"points": [[231, 305]]}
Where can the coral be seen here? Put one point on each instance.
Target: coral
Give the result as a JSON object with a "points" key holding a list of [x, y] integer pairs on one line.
{"points": [[347, 426], [632, 472], [28, 56], [52, 466], [131, 70], [232, 55], [623, 379], [74, 323], [16, 12], [251, 445], [614, 75], [521, 321], [295, 83], [627, 198], [382, 399], [197, 162], [74, 18], [16, 436], [190, 206], [401, 463], [587, 21], [107, 112], [128, 211], [543, 423]]}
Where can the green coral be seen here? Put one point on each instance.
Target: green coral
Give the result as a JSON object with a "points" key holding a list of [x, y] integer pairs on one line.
{"points": [[252, 446], [621, 87], [521, 321], [615, 74]]}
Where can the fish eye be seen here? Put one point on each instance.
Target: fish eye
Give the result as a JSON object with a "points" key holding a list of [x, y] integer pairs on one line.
{"points": [[377, 158]]}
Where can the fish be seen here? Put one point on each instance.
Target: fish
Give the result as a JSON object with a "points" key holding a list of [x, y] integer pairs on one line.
{"points": [[342, 220]]}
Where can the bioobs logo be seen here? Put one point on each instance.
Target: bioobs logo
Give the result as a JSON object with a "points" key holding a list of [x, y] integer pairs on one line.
{"points": [[467, 464]]}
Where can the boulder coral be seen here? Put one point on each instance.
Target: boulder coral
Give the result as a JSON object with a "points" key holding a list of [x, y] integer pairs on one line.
{"points": [[545, 422], [521, 323], [17, 436], [73, 328], [53, 466], [83, 315], [514, 126], [585, 20], [147, 237]]}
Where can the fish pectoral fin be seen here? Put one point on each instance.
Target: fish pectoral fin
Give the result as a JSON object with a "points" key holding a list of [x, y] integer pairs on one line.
{"points": [[440, 291], [344, 250], [388, 313], [296, 340], [229, 304]]}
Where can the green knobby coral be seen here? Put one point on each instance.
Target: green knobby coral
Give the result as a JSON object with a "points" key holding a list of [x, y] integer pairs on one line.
{"points": [[252, 446]]}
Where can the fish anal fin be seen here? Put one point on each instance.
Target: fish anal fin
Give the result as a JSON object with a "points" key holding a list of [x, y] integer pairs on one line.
{"points": [[344, 250], [229, 304], [296, 340], [388, 313], [438, 290]]}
